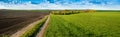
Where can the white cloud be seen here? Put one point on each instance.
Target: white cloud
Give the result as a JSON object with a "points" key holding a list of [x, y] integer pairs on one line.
{"points": [[57, 5]]}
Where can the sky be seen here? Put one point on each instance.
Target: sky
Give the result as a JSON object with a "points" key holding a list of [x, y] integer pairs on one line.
{"points": [[60, 4]]}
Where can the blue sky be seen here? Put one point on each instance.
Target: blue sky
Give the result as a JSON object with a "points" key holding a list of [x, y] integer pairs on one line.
{"points": [[60, 4]]}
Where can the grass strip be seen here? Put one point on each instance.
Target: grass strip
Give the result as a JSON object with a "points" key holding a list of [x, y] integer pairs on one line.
{"points": [[33, 31]]}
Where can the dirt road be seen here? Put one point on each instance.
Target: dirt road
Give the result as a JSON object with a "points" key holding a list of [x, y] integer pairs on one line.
{"points": [[22, 31], [42, 29]]}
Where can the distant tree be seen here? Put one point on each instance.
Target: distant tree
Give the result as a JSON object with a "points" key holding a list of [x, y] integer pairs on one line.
{"points": [[89, 11]]}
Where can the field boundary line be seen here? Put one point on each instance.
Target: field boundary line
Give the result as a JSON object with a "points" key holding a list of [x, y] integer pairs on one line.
{"points": [[23, 30], [43, 28]]}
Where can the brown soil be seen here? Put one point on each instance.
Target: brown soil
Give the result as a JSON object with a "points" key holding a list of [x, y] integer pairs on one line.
{"points": [[11, 22]]}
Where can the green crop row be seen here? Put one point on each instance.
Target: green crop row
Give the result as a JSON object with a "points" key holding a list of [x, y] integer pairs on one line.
{"points": [[35, 28], [105, 24]]}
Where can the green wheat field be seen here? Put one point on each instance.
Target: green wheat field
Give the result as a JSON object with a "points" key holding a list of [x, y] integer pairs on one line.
{"points": [[98, 24]]}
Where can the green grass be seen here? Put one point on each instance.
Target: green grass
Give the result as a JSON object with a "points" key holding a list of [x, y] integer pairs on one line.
{"points": [[105, 24], [5, 36]]}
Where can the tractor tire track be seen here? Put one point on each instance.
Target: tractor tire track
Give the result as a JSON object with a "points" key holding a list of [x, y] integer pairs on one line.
{"points": [[42, 29]]}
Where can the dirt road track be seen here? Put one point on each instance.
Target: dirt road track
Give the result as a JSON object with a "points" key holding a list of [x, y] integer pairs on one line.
{"points": [[20, 32], [42, 30]]}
